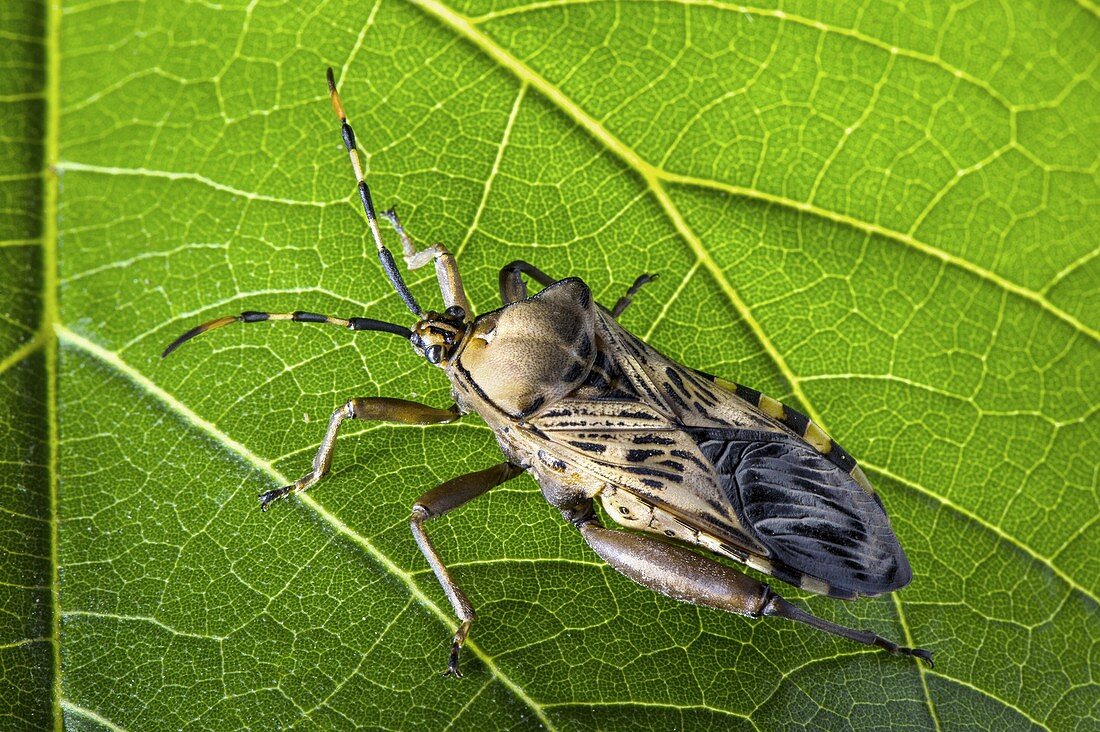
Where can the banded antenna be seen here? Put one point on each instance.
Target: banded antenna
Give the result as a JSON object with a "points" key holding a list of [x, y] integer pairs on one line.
{"points": [[384, 255]]}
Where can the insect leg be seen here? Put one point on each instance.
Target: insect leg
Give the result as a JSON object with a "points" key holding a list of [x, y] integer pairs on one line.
{"points": [[446, 269], [297, 316], [624, 301], [778, 607], [436, 502], [512, 287], [684, 575], [377, 408]]}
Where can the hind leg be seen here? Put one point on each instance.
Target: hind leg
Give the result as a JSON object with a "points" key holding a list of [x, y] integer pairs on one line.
{"points": [[689, 577]]}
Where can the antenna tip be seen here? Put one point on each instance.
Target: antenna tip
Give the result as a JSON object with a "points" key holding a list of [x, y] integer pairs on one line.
{"points": [[199, 330], [336, 106]]}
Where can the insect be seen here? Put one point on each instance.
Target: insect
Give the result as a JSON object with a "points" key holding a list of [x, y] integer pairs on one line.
{"points": [[684, 458]]}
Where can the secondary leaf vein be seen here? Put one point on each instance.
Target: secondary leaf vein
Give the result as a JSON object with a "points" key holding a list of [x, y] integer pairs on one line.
{"points": [[112, 360]]}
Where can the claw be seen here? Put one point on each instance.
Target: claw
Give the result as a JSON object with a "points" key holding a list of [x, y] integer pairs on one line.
{"points": [[268, 497], [452, 664], [920, 653]]}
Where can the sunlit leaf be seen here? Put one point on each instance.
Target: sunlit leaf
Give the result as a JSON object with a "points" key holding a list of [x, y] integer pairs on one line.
{"points": [[886, 217]]}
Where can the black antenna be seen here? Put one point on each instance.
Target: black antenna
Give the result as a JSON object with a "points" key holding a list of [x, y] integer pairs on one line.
{"points": [[384, 255]]}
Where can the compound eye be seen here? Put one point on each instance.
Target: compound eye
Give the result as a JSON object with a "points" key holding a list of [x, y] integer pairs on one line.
{"points": [[434, 354], [456, 313]]}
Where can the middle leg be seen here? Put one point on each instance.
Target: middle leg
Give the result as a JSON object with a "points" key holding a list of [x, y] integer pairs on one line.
{"points": [[513, 289], [624, 302], [435, 503]]}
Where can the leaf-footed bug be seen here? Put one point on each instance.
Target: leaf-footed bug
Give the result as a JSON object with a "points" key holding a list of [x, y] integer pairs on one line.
{"points": [[593, 412]]}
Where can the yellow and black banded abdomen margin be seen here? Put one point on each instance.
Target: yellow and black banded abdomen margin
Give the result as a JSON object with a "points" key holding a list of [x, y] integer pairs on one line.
{"points": [[802, 426]]}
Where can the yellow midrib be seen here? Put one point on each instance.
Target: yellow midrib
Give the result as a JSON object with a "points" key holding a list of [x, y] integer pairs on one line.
{"points": [[655, 176], [50, 317]]}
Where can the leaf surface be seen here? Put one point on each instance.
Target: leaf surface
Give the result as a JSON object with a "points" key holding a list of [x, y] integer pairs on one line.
{"points": [[886, 218]]}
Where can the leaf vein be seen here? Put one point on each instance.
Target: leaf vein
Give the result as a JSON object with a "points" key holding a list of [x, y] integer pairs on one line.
{"points": [[978, 520], [488, 187], [24, 351], [99, 719], [783, 16], [140, 619], [988, 695], [71, 165], [654, 175], [51, 315], [139, 379], [922, 672], [653, 705]]}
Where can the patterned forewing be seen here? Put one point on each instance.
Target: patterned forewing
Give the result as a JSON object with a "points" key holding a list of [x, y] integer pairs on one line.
{"points": [[650, 474], [720, 465]]}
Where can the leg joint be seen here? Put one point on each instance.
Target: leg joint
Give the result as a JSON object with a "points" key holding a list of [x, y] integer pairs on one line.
{"points": [[581, 515], [768, 602]]}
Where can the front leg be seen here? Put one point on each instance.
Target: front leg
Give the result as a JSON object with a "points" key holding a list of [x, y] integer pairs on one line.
{"points": [[436, 502], [377, 408], [446, 269]]}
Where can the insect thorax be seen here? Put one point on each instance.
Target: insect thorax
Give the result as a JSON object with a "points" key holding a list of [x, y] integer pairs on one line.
{"points": [[520, 359]]}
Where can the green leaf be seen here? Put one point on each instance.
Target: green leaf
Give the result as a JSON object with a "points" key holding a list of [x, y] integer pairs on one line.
{"points": [[885, 217]]}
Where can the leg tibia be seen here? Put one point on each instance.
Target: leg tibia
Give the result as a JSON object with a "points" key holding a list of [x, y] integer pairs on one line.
{"points": [[446, 268], [779, 607], [435, 503], [376, 408], [321, 461]]}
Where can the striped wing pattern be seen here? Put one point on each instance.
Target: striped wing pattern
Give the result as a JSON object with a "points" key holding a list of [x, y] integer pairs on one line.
{"points": [[813, 518], [725, 467]]}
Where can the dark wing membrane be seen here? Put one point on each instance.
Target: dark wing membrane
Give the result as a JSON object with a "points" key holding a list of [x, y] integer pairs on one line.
{"points": [[813, 517]]}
